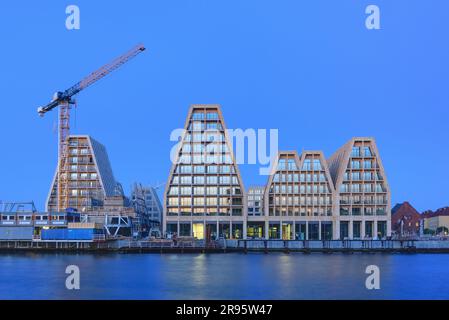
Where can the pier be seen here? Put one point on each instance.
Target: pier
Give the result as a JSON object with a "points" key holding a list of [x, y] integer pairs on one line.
{"points": [[229, 246]]}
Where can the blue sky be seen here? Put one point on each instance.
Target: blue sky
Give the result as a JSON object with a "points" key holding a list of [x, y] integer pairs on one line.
{"points": [[308, 68]]}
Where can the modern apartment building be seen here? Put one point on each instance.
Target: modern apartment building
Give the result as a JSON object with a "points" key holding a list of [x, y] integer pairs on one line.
{"points": [[89, 177], [299, 201], [255, 202], [306, 197], [204, 195], [362, 190], [146, 201]]}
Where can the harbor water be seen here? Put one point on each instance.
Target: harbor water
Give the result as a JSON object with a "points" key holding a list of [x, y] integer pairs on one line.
{"points": [[224, 276]]}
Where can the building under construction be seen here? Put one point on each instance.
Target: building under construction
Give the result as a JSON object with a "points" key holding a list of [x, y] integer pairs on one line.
{"points": [[84, 181], [89, 177]]}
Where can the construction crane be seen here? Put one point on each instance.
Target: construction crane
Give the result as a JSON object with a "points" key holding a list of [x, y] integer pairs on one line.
{"points": [[64, 100]]}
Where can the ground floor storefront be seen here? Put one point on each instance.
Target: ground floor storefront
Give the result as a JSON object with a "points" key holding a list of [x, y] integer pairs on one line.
{"points": [[281, 230], [211, 230]]}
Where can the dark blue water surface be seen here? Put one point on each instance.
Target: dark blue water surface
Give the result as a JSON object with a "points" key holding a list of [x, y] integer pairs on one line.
{"points": [[224, 276]]}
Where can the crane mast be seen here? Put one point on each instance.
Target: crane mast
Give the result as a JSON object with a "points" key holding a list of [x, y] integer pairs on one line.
{"points": [[64, 100]]}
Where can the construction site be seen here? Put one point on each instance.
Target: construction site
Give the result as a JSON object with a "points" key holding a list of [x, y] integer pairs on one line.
{"points": [[85, 203]]}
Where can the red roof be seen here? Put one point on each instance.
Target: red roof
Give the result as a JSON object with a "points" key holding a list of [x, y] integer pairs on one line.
{"points": [[440, 212]]}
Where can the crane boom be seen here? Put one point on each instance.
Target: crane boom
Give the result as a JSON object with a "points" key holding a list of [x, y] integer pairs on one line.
{"points": [[90, 79], [63, 101]]}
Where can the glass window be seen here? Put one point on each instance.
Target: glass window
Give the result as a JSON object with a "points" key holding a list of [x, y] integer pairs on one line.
{"points": [[186, 190], [316, 165], [198, 169], [314, 231], [212, 116], [212, 190], [198, 116], [291, 164], [307, 165], [367, 164], [186, 180], [355, 152], [212, 169], [198, 190], [212, 180], [225, 169], [174, 190], [225, 180], [367, 151], [344, 230], [355, 164], [368, 229], [184, 229], [356, 229], [198, 126], [281, 164]]}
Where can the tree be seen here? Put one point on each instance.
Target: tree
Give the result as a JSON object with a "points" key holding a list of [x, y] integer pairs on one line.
{"points": [[442, 230]]}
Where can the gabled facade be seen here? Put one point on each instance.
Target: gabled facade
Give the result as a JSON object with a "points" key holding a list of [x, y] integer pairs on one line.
{"points": [[362, 190], [405, 220], [89, 176], [298, 198], [204, 196]]}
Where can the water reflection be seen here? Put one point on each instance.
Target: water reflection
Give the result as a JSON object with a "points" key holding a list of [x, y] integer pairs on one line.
{"points": [[224, 276]]}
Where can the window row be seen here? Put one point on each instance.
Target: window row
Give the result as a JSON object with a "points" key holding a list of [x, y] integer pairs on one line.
{"points": [[76, 151], [86, 184], [187, 169], [299, 177], [357, 187], [201, 126], [363, 200], [206, 136], [201, 201], [361, 151], [300, 212], [83, 168], [205, 211], [367, 211], [212, 148], [223, 191], [205, 115], [208, 180], [83, 176], [301, 201], [205, 159], [296, 189], [78, 143], [81, 160], [366, 176], [365, 164], [83, 193]]}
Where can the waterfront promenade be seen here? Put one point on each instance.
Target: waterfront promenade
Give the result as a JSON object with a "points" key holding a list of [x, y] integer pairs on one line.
{"points": [[227, 246]]}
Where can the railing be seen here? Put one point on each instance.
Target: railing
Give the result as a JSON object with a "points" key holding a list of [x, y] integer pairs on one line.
{"points": [[99, 237], [267, 245]]}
